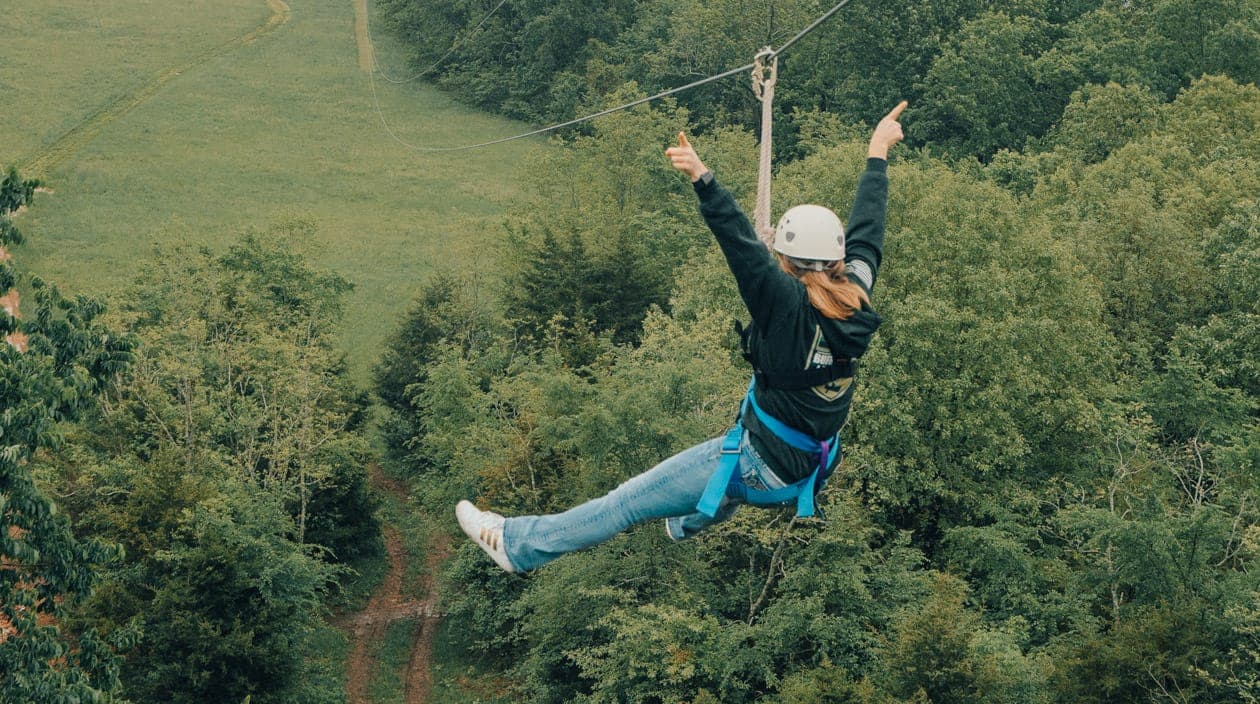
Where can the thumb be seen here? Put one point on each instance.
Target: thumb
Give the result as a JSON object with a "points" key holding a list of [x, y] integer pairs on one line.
{"points": [[682, 140]]}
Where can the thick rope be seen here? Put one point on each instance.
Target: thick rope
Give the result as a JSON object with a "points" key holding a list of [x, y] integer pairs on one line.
{"points": [[764, 78]]}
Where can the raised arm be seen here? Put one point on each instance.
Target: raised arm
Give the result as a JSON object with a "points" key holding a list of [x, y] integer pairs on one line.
{"points": [[762, 284], [864, 238]]}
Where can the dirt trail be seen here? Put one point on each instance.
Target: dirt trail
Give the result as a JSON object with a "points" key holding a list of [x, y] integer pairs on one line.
{"points": [[83, 133], [388, 604], [361, 36], [418, 680]]}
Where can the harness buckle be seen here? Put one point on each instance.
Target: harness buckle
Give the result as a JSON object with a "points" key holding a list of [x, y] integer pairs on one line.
{"points": [[733, 443]]}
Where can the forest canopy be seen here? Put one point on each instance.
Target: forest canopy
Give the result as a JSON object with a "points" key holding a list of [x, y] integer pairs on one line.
{"points": [[1049, 489]]}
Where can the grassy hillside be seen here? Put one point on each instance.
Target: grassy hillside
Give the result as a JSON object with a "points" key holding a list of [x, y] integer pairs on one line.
{"points": [[62, 61], [220, 134]]}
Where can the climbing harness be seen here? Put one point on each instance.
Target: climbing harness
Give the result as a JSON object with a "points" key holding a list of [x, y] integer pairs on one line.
{"points": [[794, 379], [724, 481]]}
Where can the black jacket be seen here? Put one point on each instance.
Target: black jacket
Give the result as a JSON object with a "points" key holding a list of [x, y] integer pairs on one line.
{"points": [[787, 332]]}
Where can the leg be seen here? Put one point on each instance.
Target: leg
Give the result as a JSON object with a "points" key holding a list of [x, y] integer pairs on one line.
{"points": [[684, 527], [754, 473], [671, 488]]}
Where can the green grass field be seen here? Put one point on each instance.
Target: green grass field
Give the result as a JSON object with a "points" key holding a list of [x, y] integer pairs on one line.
{"points": [[62, 61], [204, 135]]}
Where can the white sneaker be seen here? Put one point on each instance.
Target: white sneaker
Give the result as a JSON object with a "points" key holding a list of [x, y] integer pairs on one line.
{"points": [[486, 530]]}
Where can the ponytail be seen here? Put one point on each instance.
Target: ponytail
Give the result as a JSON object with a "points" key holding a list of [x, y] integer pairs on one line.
{"points": [[829, 290]]}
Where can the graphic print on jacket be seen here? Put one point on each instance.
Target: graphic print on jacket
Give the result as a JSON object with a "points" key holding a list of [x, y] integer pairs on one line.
{"points": [[820, 356]]}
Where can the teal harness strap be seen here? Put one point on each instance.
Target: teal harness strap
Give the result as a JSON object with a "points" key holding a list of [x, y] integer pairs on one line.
{"points": [[724, 475], [723, 481]]}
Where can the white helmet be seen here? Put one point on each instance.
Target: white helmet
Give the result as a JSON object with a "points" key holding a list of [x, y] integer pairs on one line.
{"points": [[810, 232]]}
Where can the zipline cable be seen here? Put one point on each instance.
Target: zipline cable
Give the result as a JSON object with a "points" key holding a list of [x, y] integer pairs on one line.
{"points": [[812, 26], [367, 27], [774, 53], [562, 125]]}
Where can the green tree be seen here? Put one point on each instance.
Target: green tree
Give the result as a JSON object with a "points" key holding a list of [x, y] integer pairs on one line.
{"points": [[234, 607], [1100, 119], [600, 243], [1163, 45], [413, 346], [982, 93], [515, 59], [15, 192], [929, 657], [230, 464], [1144, 221], [70, 357]]}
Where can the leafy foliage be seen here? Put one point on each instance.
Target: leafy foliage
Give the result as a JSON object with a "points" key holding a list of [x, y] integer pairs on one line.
{"points": [[229, 463], [1048, 492], [70, 357], [980, 77], [1049, 470]]}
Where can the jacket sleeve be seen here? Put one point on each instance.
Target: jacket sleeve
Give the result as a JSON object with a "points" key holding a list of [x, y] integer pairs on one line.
{"points": [[864, 240], [762, 284]]}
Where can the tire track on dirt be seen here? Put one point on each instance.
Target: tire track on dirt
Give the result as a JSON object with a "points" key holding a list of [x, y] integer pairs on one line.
{"points": [[91, 126], [367, 628], [418, 679]]}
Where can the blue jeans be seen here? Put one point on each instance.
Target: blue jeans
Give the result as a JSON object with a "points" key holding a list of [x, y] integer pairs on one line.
{"points": [[669, 490]]}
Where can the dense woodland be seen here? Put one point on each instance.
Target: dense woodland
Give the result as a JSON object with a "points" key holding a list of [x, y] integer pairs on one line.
{"points": [[1050, 488]]}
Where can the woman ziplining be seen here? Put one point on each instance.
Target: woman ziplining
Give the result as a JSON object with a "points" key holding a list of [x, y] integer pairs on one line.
{"points": [[811, 321]]}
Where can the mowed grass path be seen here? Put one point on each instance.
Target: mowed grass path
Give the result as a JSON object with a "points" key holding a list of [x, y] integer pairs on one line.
{"points": [[278, 129]]}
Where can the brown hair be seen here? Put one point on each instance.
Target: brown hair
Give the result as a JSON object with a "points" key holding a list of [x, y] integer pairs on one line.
{"points": [[830, 290]]}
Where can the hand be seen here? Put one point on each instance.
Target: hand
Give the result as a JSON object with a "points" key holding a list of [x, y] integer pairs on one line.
{"points": [[685, 159], [887, 133]]}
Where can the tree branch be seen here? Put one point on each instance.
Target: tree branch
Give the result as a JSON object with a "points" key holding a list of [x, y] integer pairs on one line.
{"points": [[776, 560]]}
